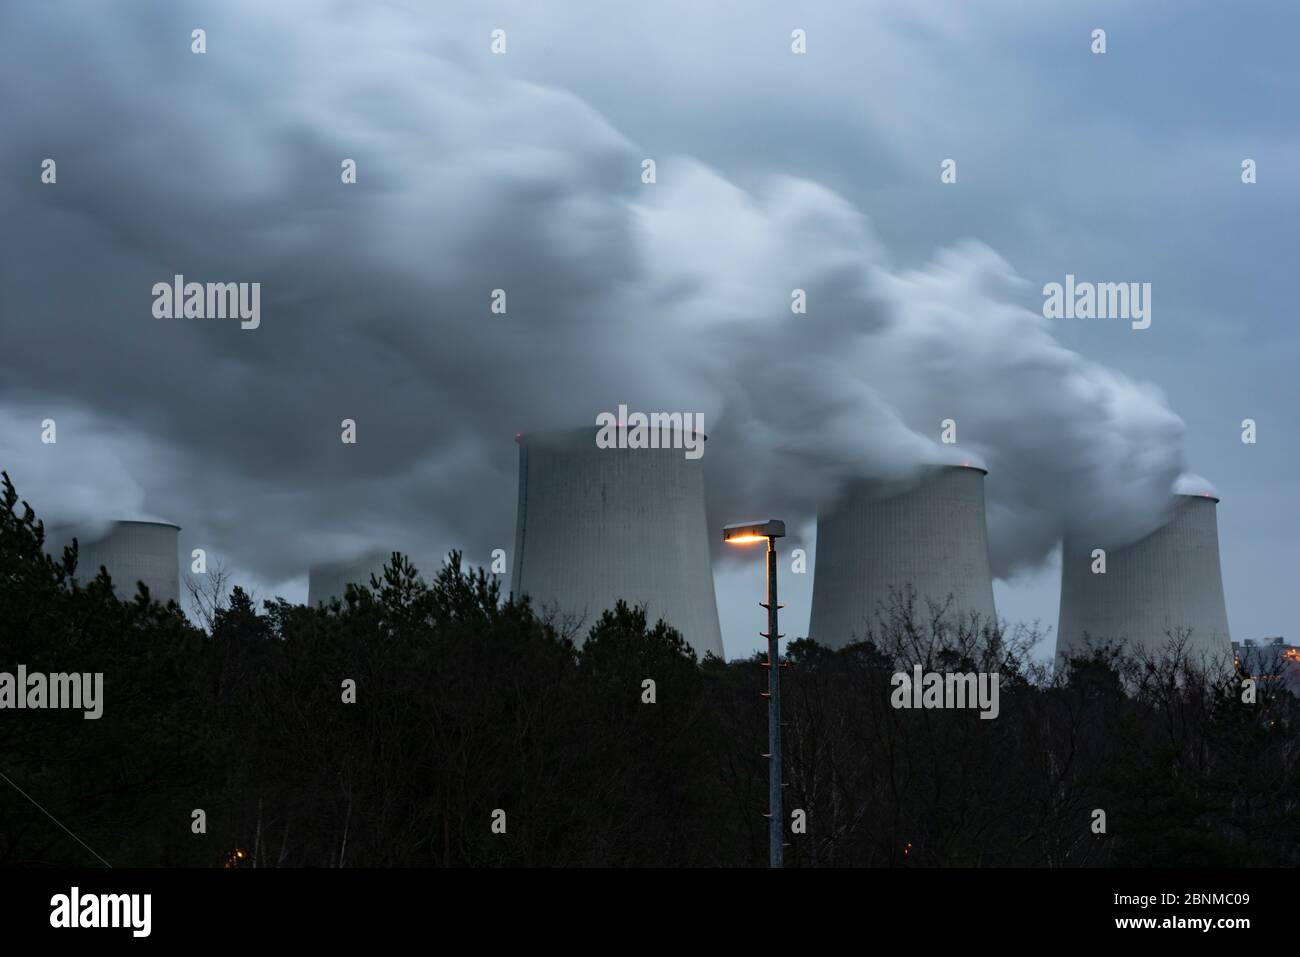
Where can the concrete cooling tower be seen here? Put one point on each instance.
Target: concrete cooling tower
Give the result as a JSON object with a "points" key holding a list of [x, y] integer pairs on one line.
{"points": [[1167, 581], [599, 524], [329, 580], [879, 537], [132, 552]]}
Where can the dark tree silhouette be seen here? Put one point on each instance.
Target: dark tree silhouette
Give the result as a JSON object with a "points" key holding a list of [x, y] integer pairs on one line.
{"points": [[399, 725]]}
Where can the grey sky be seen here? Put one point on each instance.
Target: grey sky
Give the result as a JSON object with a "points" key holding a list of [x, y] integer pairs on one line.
{"points": [[522, 171]]}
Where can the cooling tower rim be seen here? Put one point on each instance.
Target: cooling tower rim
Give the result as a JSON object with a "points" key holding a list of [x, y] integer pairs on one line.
{"points": [[522, 437], [1071, 538], [963, 465], [933, 468], [112, 523], [146, 521], [381, 555], [930, 468]]}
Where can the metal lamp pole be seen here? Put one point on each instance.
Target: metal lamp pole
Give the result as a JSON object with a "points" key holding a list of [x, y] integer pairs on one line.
{"points": [[776, 835], [753, 532]]}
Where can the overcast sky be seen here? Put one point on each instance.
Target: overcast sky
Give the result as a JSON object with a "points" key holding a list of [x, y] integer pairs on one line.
{"points": [[774, 171]]}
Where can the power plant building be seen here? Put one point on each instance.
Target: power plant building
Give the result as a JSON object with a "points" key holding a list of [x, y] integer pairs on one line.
{"points": [[1271, 661], [880, 541], [1161, 585], [595, 525]]}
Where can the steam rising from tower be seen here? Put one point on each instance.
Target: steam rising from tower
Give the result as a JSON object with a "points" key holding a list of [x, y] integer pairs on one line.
{"points": [[595, 525], [880, 537], [1164, 583]]}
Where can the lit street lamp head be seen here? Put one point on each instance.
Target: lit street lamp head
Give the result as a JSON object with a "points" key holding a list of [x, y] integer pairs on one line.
{"points": [[744, 533]]}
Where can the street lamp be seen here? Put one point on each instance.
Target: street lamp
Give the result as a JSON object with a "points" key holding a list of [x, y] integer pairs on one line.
{"points": [[743, 534]]}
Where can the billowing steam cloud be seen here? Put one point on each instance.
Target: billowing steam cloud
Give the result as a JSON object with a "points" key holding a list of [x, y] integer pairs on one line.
{"points": [[375, 302], [72, 468]]}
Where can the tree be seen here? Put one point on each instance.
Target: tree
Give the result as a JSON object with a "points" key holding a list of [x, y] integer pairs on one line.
{"points": [[124, 783]]}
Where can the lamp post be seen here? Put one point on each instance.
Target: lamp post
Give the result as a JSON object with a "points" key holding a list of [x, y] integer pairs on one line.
{"points": [[741, 534]]}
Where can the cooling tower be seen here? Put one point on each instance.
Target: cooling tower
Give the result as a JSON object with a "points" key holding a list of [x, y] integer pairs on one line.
{"points": [[1167, 581], [329, 580], [876, 541], [132, 552], [599, 524]]}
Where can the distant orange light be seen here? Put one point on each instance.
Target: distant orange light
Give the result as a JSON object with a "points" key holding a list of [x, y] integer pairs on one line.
{"points": [[746, 539]]}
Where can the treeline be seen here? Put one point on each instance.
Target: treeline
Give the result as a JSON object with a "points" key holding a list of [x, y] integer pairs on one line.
{"points": [[413, 723]]}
